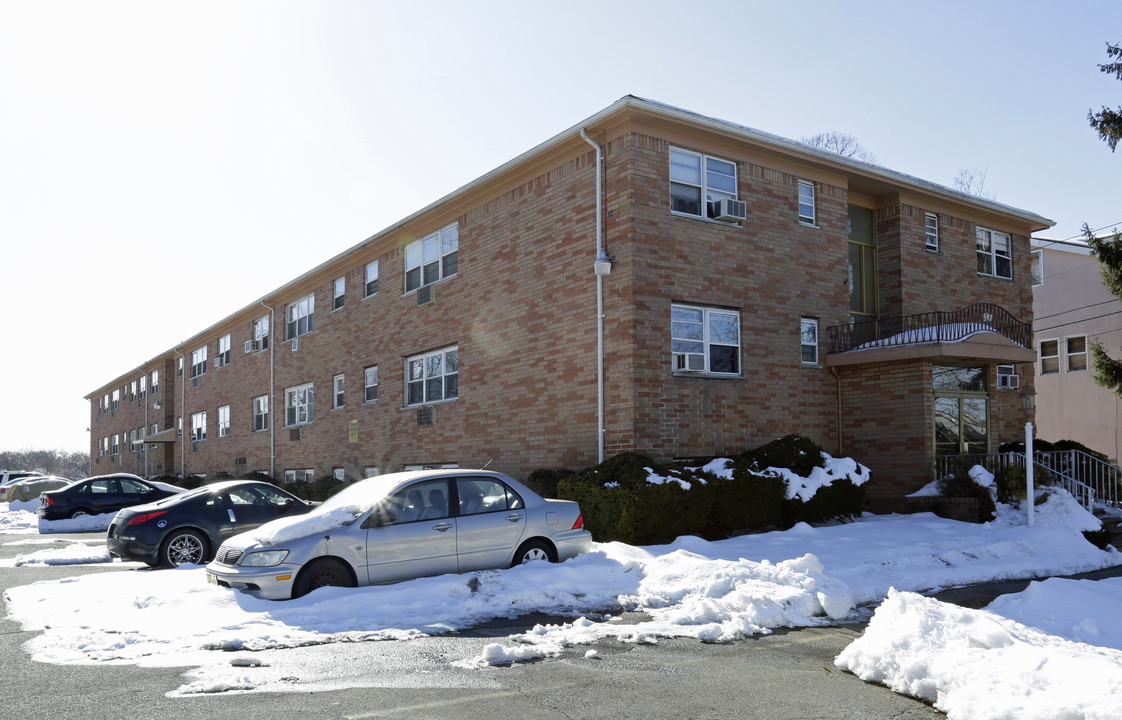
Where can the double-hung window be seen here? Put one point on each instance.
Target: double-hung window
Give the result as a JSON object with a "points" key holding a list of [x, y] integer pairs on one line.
{"points": [[371, 278], [298, 404], [432, 377], [807, 212], [116, 400], [198, 362], [261, 332], [300, 315], [371, 378], [339, 387], [142, 391], [697, 179], [1075, 350], [1049, 357], [340, 292], [155, 381], [1037, 267], [705, 340], [260, 413], [223, 420], [995, 254], [808, 340], [115, 445], [223, 356], [931, 233], [198, 426], [432, 258]]}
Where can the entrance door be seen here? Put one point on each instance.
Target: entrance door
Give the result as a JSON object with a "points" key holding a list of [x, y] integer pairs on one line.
{"points": [[862, 265], [961, 410]]}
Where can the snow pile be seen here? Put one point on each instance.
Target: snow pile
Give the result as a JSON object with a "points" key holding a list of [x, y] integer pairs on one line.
{"points": [[976, 665], [73, 554], [835, 469], [340, 509], [17, 519]]}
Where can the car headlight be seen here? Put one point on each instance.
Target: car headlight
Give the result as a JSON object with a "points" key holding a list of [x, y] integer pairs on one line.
{"points": [[264, 558]]}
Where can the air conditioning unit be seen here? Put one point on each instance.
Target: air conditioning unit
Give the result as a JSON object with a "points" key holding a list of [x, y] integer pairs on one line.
{"points": [[727, 209], [295, 344], [690, 207], [1008, 382], [219, 362], [689, 362], [252, 346]]}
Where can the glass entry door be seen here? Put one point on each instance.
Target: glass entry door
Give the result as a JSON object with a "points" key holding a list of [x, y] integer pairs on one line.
{"points": [[961, 410]]}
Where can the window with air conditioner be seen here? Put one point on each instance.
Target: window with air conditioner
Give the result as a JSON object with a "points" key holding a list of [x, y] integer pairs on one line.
{"points": [[703, 186], [705, 340], [1007, 377], [432, 258]]}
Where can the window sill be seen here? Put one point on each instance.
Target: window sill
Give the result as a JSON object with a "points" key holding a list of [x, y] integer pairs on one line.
{"points": [[708, 375], [812, 366], [434, 283], [370, 402], [806, 224], [373, 294], [995, 277], [430, 404]]}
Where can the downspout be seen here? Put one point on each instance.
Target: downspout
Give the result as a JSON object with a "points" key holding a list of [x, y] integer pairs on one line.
{"points": [[602, 266], [145, 375], [182, 414], [837, 376], [272, 425]]}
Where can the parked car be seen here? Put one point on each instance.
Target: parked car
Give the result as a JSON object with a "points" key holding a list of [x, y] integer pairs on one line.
{"points": [[189, 527], [101, 494], [30, 488], [9, 476], [400, 526]]}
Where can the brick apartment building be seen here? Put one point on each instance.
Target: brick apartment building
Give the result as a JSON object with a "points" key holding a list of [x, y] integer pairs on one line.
{"points": [[750, 287]]}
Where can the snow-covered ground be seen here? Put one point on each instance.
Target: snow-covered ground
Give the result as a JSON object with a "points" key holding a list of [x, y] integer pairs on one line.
{"points": [[1014, 659]]}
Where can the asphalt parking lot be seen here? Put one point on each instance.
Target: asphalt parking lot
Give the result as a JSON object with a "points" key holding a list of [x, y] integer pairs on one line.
{"points": [[788, 674]]}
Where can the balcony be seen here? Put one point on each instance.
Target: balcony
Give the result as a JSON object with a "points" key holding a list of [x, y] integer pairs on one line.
{"points": [[934, 328]]}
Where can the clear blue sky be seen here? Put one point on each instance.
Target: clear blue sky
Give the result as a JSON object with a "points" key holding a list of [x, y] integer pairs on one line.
{"points": [[162, 165]]}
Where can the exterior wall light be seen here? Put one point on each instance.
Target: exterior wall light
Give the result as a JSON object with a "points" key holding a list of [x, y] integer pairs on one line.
{"points": [[603, 264]]}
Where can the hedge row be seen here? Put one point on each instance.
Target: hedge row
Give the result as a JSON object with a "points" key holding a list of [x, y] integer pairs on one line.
{"points": [[632, 499]]}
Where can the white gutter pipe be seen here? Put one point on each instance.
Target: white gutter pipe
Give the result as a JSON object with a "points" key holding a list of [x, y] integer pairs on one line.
{"points": [[272, 380], [182, 414], [602, 266]]}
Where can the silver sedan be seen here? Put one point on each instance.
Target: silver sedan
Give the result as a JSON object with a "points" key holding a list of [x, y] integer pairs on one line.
{"points": [[400, 526]]}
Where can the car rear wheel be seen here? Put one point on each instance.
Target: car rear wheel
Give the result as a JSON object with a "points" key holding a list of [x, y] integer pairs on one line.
{"points": [[534, 550], [80, 512], [183, 547], [321, 573]]}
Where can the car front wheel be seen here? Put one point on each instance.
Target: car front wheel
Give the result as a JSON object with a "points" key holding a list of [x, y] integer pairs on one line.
{"points": [[534, 550], [321, 573], [183, 547]]}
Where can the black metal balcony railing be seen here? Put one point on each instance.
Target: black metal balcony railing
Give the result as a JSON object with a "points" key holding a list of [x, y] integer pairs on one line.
{"points": [[929, 328]]}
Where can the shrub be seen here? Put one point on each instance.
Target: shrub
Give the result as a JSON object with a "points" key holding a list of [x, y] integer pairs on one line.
{"points": [[544, 482]]}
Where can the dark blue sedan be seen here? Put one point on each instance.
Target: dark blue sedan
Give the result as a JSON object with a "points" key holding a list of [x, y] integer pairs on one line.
{"points": [[188, 528]]}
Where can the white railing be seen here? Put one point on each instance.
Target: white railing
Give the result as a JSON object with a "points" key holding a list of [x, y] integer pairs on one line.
{"points": [[1087, 478]]}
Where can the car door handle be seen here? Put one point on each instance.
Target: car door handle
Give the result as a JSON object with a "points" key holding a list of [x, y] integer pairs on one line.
{"points": [[514, 517], [441, 527]]}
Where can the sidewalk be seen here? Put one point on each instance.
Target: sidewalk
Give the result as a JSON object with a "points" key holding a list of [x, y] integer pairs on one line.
{"points": [[978, 596]]}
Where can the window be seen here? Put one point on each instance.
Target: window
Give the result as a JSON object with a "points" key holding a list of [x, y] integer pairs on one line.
{"points": [[1007, 377], [115, 445], [179, 367], [298, 404], [223, 357], [432, 258], [371, 374], [1076, 352], [142, 392], [340, 293], [132, 440], [932, 232], [104, 446], [261, 332], [339, 386], [155, 381], [697, 179], [291, 476], [483, 495], [179, 426], [1049, 357], [223, 420], [339, 474], [198, 362], [961, 409], [705, 340], [116, 400], [806, 203], [370, 472], [372, 278], [808, 333], [152, 431], [995, 254], [432, 377], [260, 413], [198, 426], [300, 316], [132, 391], [1037, 268]]}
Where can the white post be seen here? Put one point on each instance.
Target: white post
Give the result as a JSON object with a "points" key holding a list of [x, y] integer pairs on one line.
{"points": [[1030, 489]]}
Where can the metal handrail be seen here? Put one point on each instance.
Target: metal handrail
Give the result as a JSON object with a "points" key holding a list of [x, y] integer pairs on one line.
{"points": [[929, 327], [1064, 465]]}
